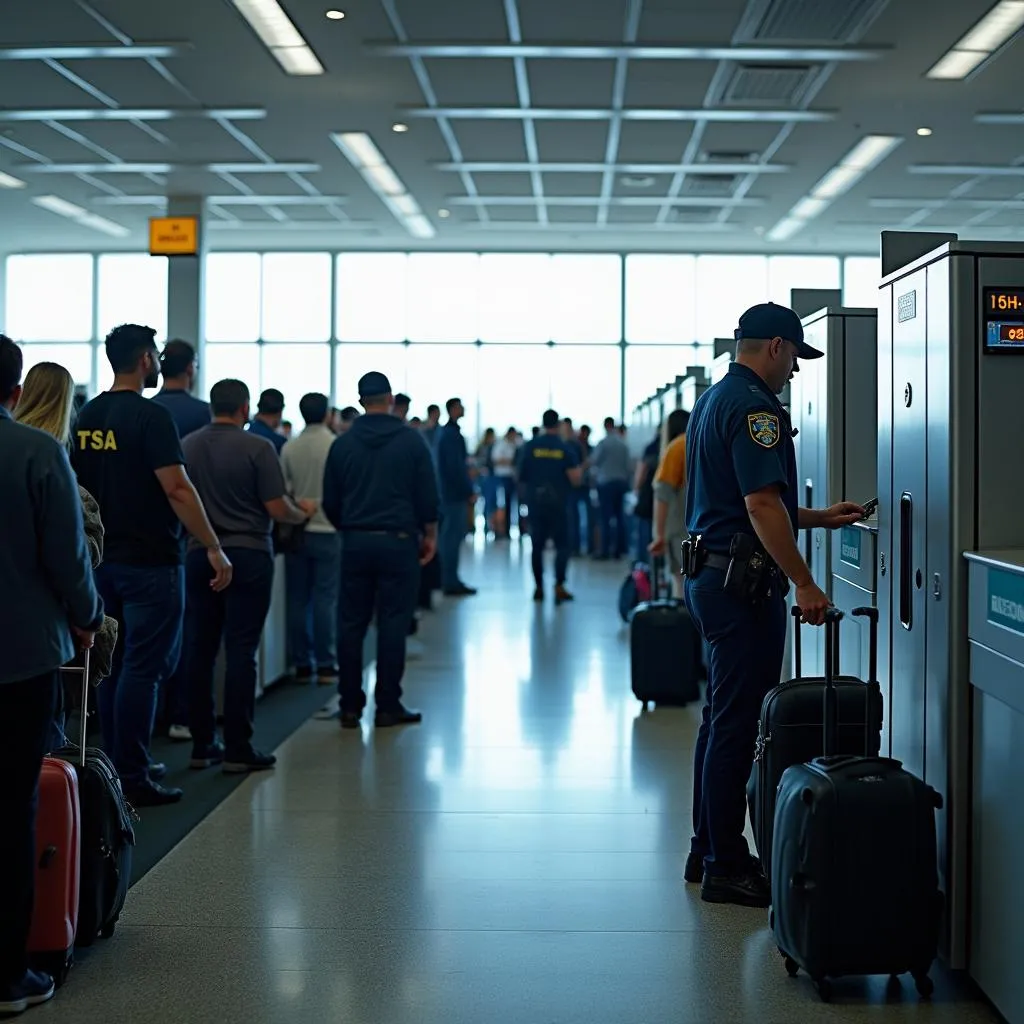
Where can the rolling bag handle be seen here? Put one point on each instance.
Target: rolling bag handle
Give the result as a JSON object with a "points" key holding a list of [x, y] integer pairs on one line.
{"points": [[656, 564], [74, 669], [832, 650], [871, 614], [832, 617]]}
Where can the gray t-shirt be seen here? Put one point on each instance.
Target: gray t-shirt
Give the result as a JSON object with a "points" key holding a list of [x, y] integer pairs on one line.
{"points": [[235, 473], [611, 460]]}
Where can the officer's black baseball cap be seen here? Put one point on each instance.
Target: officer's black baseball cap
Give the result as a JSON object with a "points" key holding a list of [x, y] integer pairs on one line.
{"points": [[769, 320], [373, 385]]}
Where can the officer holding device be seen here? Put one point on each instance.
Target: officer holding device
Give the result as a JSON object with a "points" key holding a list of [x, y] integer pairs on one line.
{"points": [[742, 515]]}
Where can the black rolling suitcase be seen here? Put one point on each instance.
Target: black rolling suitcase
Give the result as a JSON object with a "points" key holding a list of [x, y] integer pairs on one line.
{"points": [[792, 719], [854, 864], [664, 650]]}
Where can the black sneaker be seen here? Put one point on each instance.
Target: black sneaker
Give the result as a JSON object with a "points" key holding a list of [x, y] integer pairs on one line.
{"points": [[351, 719], [751, 889], [206, 755], [250, 761], [152, 794], [694, 870], [399, 715], [562, 595], [157, 771], [538, 594], [304, 674], [33, 989]]}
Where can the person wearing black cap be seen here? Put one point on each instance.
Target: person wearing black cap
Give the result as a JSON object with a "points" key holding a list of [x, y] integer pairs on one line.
{"points": [[268, 418], [380, 493], [742, 515]]}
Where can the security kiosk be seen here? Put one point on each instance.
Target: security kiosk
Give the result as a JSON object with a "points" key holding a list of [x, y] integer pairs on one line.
{"points": [[950, 387], [832, 407], [720, 365], [694, 385]]}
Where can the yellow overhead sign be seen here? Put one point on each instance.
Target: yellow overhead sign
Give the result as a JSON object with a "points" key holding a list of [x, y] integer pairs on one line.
{"points": [[173, 236]]}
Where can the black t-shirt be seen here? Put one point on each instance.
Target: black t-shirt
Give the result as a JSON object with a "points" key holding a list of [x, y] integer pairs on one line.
{"points": [[119, 442]]}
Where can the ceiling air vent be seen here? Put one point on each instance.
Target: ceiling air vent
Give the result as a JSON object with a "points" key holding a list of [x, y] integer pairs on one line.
{"points": [[728, 156], [767, 85], [712, 186], [682, 215], [808, 21]]}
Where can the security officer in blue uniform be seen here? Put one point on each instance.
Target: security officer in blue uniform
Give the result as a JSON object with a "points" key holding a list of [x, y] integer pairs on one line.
{"points": [[549, 467], [742, 515]]}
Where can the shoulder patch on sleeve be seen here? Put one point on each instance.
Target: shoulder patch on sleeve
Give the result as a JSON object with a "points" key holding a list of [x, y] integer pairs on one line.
{"points": [[764, 428]]}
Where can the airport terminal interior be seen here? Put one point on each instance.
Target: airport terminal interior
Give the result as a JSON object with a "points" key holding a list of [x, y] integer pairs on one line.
{"points": [[533, 205]]}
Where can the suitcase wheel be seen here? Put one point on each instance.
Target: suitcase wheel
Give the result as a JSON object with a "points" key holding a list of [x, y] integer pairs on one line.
{"points": [[792, 967], [925, 985], [824, 987]]}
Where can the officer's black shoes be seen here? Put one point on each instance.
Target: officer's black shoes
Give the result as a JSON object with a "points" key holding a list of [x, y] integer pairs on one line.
{"points": [[351, 719], [152, 794], [327, 675], [249, 761], [157, 771], [461, 590], [538, 594], [562, 595], [304, 674], [399, 715], [751, 889], [693, 873], [206, 755]]}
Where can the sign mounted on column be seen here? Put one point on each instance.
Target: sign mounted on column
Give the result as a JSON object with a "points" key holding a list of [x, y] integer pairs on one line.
{"points": [[173, 236]]}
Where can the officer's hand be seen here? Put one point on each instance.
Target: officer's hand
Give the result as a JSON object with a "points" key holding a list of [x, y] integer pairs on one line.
{"points": [[843, 513], [428, 548], [657, 546], [222, 569], [813, 604]]}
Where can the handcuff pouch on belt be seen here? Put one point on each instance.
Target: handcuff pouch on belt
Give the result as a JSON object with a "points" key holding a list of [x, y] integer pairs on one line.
{"points": [[752, 575], [692, 559]]}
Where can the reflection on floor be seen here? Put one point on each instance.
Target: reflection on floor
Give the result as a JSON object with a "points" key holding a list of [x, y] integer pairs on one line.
{"points": [[516, 858]]}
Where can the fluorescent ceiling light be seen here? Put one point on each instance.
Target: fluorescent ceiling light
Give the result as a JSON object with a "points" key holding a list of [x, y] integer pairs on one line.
{"points": [[9, 181], [870, 150], [359, 148], [990, 34], [420, 227], [385, 179], [278, 34], [80, 216], [785, 229], [809, 208], [836, 182], [407, 205]]}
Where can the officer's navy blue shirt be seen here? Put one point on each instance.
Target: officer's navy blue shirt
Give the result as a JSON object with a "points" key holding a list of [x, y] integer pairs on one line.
{"points": [[276, 439], [738, 441], [544, 464], [188, 412], [456, 486]]}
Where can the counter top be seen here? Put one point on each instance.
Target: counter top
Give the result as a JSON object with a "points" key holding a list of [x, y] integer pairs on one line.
{"points": [[1011, 559]]}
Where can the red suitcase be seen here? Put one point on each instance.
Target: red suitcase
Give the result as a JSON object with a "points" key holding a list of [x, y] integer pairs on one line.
{"points": [[58, 862]]}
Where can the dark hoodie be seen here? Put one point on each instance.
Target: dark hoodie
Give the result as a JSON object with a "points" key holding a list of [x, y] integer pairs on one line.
{"points": [[379, 476]]}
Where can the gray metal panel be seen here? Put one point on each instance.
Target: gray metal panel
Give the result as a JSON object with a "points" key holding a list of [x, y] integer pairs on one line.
{"points": [[859, 383], [958, 248], [854, 635], [863, 576], [901, 250], [805, 301], [884, 489], [998, 676]]}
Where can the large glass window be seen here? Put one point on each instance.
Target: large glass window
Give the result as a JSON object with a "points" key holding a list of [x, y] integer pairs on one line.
{"points": [[585, 382], [352, 361], [861, 275], [372, 296], [133, 290], [515, 385], [436, 373], [788, 272], [296, 296], [443, 291], [296, 370], [514, 297], [661, 301], [649, 367], [76, 359], [233, 296], [49, 297], [586, 298], [238, 362], [726, 286]]}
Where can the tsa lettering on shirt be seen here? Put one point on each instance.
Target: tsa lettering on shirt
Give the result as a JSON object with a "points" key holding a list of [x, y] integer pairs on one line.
{"points": [[97, 440], [549, 453]]}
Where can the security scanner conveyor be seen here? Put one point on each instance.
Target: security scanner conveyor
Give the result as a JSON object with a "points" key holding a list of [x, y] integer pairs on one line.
{"points": [[832, 407], [950, 387]]}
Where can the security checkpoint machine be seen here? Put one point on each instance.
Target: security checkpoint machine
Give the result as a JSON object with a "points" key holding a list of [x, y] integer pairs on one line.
{"points": [[832, 407], [951, 581]]}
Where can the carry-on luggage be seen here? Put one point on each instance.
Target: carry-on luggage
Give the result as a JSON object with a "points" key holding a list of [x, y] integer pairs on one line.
{"points": [[107, 836], [792, 718], [635, 590], [665, 651], [854, 862]]}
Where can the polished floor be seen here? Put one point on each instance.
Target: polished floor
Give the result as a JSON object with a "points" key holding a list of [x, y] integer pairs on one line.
{"points": [[517, 858]]}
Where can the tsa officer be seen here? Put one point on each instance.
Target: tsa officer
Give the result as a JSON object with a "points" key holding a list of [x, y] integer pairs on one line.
{"points": [[380, 493], [742, 511]]}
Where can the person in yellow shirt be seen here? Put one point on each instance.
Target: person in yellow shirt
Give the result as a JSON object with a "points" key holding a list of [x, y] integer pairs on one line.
{"points": [[670, 498]]}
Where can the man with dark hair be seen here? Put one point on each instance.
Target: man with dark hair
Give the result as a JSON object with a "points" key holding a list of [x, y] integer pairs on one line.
{"points": [[380, 493], [612, 472], [268, 418], [548, 469], [401, 407], [240, 480], [47, 602], [346, 417], [456, 494], [127, 454], [432, 425], [286, 430], [313, 570], [178, 366]]}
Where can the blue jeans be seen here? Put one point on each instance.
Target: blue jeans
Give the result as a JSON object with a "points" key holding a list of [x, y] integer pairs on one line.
{"points": [[644, 536], [745, 645], [313, 576], [612, 496], [148, 603], [236, 617], [452, 534]]}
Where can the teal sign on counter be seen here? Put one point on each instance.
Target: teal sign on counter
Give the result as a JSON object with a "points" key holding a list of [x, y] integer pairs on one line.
{"points": [[849, 550], [1006, 600]]}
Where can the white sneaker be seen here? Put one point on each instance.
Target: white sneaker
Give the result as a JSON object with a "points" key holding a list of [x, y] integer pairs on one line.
{"points": [[180, 734]]}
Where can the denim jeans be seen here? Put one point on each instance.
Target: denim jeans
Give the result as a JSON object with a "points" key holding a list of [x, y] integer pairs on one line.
{"points": [[612, 496], [148, 603], [26, 716], [453, 533], [313, 576], [235, 617]]}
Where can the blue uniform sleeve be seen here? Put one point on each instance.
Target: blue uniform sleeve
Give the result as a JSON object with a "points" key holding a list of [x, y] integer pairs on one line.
{"points": [[524, 463], [756, 444], [572, 456]]}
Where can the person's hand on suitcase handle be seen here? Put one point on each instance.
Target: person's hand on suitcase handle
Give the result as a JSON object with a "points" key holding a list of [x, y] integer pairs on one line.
{"points": [[85, 637], [812, 602]]}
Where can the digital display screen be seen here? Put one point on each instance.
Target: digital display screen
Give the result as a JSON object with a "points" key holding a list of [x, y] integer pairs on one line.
{"points": [[1003, 314], [1002, 335]]}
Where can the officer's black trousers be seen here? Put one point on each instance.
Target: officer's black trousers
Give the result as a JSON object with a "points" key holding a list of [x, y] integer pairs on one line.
{"points": [[549, 521], [746, 645], [379, 574]]}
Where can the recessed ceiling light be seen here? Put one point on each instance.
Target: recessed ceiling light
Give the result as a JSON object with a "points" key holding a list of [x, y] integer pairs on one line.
{"points": [[444, 214], [637, 181], [399, 128], [335, 15], [924, 131]]}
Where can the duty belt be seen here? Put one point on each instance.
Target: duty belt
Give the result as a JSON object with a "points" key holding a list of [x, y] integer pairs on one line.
{"points": [[710, 560]]}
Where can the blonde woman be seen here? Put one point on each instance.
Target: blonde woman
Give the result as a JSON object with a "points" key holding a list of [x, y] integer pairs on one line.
{"points": [[47, 398]]}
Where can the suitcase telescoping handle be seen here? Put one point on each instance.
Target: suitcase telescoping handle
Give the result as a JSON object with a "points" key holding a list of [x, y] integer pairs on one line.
{"points": [[832, 619], [84, 670], [798, 650], [871, 614]]}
